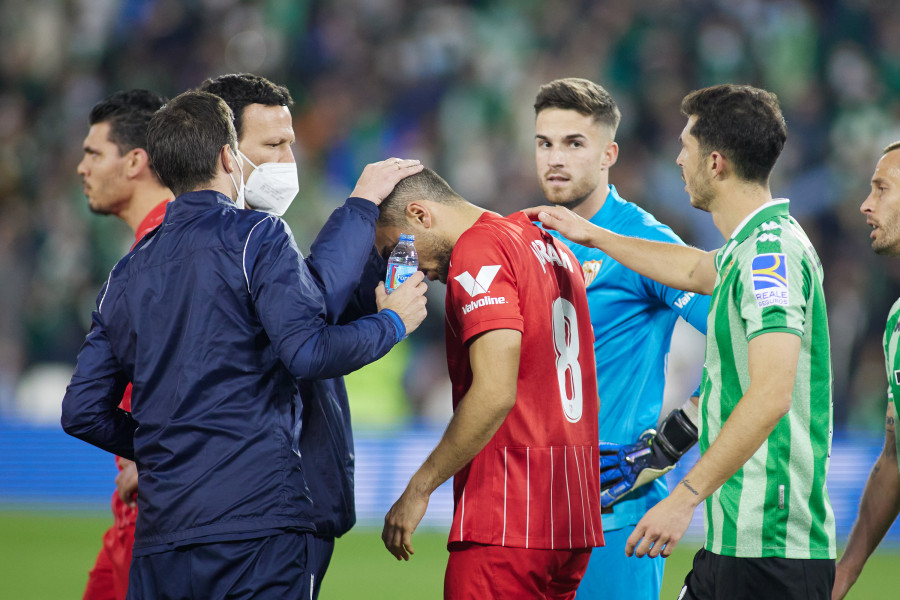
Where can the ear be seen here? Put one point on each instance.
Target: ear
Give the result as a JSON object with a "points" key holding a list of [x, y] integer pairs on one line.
{"points": [[229, 163], [136, 161], [419, 214], [610, 155], [717, 164]]}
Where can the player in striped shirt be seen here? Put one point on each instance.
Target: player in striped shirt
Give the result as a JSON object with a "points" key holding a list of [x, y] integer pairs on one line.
{"points": [[880, 502], [765, 403], [522, 443]]}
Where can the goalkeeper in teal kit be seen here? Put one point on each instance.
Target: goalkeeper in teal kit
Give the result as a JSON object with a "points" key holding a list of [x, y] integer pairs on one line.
{"points": [[632, 318]]}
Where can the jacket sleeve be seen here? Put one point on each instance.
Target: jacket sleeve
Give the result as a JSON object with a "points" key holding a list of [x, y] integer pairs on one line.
{"points": [[341, 251], [292, 309], [90, 408], [362, 302]]}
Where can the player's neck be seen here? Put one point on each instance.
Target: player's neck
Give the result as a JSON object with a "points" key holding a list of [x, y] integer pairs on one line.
{"points": [[592, 204], [145, 199], [462, 218], [736, 203]]}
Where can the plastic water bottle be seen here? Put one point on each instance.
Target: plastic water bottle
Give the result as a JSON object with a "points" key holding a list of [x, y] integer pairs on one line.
{"points": [[404, 261]]}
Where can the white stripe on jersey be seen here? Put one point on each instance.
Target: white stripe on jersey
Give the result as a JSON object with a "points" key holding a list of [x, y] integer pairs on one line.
{"points": [[551, 500], [590, 512], [568, 495], [581, 493], [527, 491], [462, 514], [505, 474]]}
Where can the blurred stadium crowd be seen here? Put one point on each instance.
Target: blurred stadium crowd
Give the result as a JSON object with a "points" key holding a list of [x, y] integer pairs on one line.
{"points": [[451, 83]]}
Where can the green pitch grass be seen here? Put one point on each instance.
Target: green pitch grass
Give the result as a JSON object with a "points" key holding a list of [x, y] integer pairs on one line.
{"points": [[46, 556]]}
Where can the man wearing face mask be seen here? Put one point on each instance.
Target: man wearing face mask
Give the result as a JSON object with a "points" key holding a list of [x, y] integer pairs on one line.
{"points": [[265, 133], [339, 259], [215, 317]]}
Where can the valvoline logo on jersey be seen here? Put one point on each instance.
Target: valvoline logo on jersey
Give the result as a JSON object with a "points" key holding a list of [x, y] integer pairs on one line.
{"points": [[486, 301], [481, 283], [770, 280]]}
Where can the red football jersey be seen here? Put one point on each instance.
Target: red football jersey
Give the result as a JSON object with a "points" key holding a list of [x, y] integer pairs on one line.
{"points": [[537, 482]]}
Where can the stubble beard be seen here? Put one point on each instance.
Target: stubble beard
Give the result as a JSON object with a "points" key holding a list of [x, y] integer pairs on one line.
{"points": [[441, 250], [701, 194], [888, 243], [570, 199], [701, 202], [100, 209]]}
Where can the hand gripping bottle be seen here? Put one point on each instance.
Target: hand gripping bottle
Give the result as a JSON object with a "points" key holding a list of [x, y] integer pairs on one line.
{"points": [[404, 261]]}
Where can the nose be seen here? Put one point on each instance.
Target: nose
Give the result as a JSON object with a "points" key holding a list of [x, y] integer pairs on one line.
{"points": [[868, 205], [287, 155], [556, 158], [81, 169]]}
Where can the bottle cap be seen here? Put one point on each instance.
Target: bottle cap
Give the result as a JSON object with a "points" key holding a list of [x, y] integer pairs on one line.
{"points": [[407, 237]]}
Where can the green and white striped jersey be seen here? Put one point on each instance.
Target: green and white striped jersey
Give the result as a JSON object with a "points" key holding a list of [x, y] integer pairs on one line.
{"points": [[892, 364], [770, 280]]}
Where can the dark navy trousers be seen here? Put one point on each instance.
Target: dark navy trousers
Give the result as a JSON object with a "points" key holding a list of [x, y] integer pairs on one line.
{"points": [[289, 565]]}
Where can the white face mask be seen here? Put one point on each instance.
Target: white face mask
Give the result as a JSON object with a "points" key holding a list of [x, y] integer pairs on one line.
{"points": [[271, 187], [239, 201]]}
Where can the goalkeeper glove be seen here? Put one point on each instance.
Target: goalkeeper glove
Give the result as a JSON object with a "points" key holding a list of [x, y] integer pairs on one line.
{"points": [[624, 468]]}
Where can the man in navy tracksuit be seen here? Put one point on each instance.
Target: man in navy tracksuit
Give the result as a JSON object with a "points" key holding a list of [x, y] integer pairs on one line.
{"points": [[214, 317], [265, 134]]}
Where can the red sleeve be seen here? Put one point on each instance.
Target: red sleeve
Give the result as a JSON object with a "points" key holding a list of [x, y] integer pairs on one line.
{"points": [[482, 286]]}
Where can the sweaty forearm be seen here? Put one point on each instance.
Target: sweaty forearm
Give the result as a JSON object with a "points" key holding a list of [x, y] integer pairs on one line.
{"points": [[680, 267], [474, 423], [748, 426]]}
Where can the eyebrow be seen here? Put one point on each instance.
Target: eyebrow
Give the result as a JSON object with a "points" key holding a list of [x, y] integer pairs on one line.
{"points": [[278, 139], [571, 136]]}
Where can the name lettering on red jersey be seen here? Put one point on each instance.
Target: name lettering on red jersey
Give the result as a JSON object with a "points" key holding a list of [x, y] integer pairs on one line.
{"points": [[546, 253]]}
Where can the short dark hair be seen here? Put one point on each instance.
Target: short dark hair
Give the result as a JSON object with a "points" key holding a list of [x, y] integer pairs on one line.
{"points": [[891, 147], [582, 95], [185, 137], [424, 185], [744, 123], [240, 89], [128, 113]]}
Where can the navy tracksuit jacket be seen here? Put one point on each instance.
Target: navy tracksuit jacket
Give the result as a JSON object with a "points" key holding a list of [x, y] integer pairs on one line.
{"points": [[220, 325]]}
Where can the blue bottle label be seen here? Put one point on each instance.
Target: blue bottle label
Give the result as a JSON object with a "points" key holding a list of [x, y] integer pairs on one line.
{"points": [[397, 274]]}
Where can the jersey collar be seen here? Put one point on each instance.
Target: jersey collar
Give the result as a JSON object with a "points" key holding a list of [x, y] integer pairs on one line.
{"points": [[607, 209], [768, 211], [153, 218]]}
